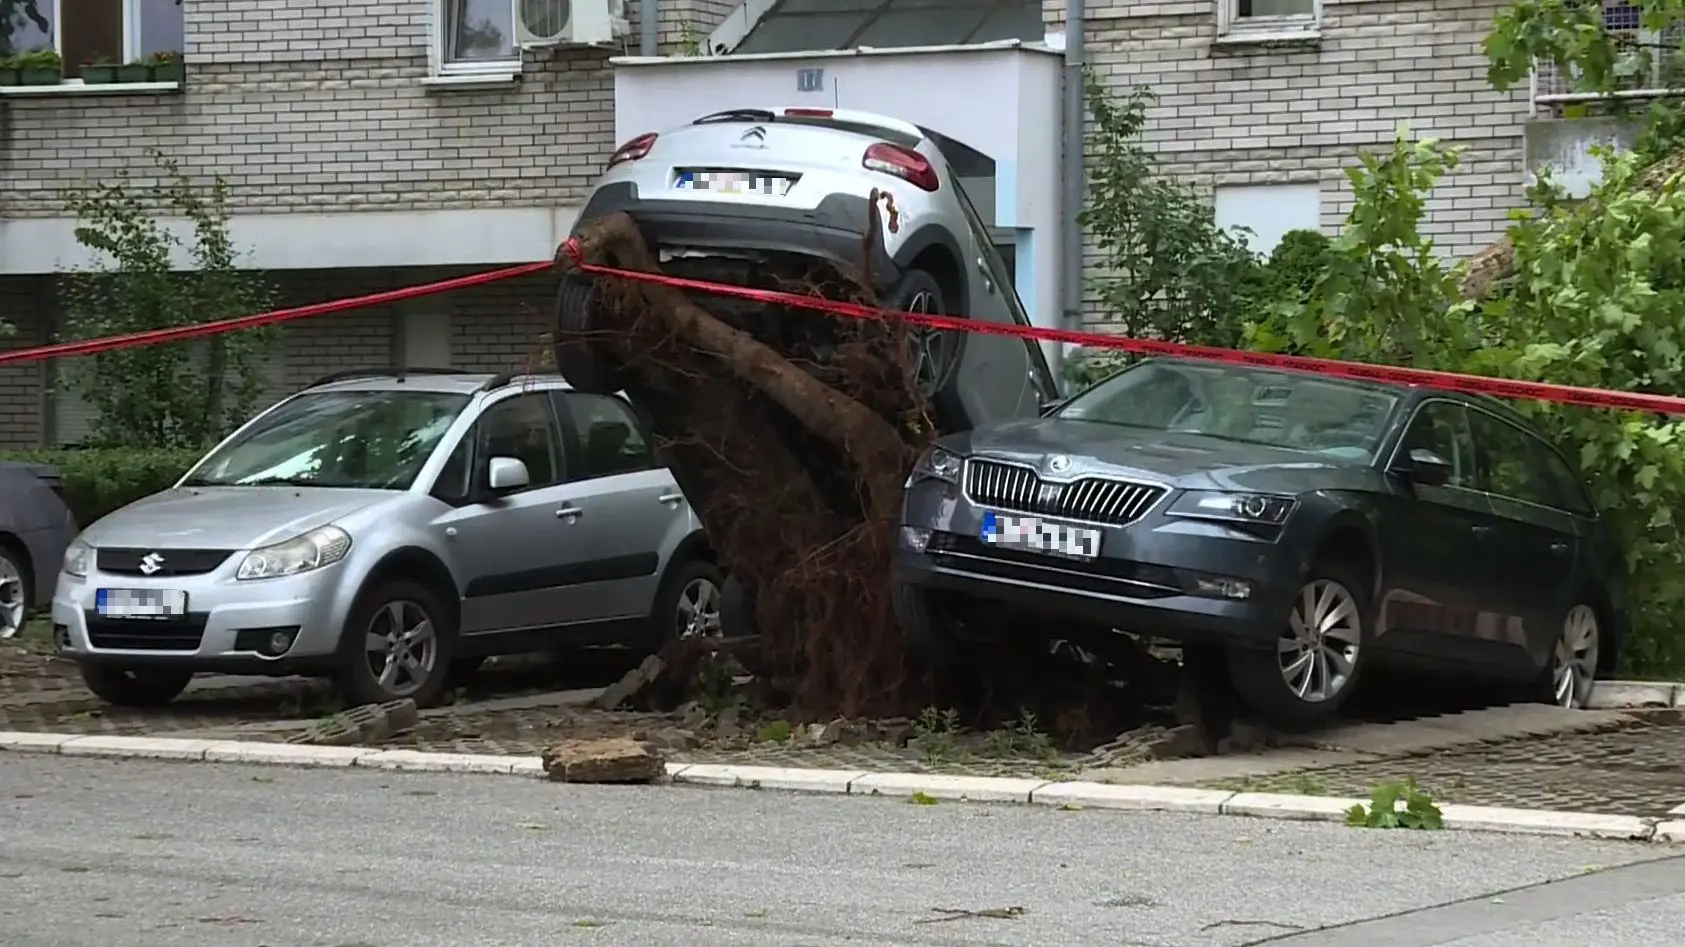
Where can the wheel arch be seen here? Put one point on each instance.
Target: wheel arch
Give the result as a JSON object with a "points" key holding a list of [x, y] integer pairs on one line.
{"points": [[420, 565], [1349, 537], [933, 249]]}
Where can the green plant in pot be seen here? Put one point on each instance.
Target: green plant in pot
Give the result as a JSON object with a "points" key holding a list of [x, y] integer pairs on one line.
{"points": [[136, 71], [9, 71], [40, 67], [99, 71], [167, 67]]}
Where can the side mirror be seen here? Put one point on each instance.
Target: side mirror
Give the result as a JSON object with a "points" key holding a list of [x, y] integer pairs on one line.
{"points": [[505, 475], [1423, 466]]}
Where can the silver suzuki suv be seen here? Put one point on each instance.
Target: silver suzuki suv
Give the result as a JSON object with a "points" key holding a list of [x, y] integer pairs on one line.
{"points": [[390, 529], [756, 196]]}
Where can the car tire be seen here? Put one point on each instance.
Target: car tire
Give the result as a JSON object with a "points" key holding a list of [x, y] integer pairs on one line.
{"points": [[737, 609], [17, 590], [1333, 596], [135, 687], [689, 603], [1570, 673], [918, 291], [579, 359], [395, 609]]}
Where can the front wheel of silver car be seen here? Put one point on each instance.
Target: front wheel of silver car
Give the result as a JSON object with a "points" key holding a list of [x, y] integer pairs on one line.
{"points": [[689, 603], [1314, 663], [1573, 664], [397, 644]]}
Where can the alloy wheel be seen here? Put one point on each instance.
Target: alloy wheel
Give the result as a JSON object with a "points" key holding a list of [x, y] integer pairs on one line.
{"points": [[698, 612], [11, 598], [1574, 668], [402, 647], [1318, 651], [931, 347]]}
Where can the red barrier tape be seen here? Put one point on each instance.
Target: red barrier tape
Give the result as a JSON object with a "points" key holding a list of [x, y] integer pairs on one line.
{"points": [[179, 333], [1448, 381]]}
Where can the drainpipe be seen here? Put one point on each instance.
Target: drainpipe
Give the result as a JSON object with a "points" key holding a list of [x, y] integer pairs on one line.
{"points": [[1073, 175], [649, 27]]}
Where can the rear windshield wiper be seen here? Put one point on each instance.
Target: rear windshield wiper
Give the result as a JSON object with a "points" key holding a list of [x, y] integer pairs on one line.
{"points": [[737, 115]]}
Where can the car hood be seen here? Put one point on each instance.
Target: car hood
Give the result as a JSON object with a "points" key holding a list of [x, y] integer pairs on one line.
{"points": [[1190, 461], [226, 517]]}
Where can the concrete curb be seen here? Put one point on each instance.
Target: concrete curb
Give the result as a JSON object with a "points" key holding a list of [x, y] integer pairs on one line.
{"points": [[910, 786], [1636, 695]]}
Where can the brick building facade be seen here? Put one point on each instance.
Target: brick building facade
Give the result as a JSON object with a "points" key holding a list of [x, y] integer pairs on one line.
{"points": [[364, 154]]}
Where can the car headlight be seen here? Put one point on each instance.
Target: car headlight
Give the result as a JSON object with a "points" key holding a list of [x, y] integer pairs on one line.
{"points": [[937, 464], [78, 559], [320, 547], [1263, 508]]}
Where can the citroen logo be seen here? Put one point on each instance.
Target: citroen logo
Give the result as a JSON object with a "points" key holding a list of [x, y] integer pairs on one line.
{"points": [[1059, 463], [754, 134], [151, 563]]}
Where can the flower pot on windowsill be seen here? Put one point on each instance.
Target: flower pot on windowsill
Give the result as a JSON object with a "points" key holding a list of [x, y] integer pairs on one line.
{"points": [[133, 72], [99, 75], [38, 76], [170, 72], [11, 76]]}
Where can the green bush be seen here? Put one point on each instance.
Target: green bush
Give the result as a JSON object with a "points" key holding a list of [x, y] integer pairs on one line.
{"points": [[99, 480]]}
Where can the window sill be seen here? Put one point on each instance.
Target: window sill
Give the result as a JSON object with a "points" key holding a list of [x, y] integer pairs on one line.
{"points": [[468, 81], [82, 88], [1305, 36]]}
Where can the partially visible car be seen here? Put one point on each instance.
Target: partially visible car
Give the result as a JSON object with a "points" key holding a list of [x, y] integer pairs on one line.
{"points": [[781, 197], [390, 529], [1285, 527], [36, 526]]}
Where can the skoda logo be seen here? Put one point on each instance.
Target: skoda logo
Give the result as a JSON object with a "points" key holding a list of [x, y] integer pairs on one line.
{"points": [[1059, 463], [151, 563]]}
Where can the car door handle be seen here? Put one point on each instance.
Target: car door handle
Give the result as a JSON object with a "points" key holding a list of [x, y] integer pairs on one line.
{"points": [[569, 513], [670, 497], [1559, 547], [1482, 530]]}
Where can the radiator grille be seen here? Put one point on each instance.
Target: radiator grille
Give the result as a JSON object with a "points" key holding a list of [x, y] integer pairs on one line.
{"points": [[1095, 499]]}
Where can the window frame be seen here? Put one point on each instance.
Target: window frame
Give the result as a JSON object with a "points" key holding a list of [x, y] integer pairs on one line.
{"points": [[1470, 470], [1230, 24], [478, 489], [440, 52], [131, 32], [1533, 444]]}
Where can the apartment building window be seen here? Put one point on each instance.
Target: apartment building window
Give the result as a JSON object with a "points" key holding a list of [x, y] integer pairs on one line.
{"points": [[90, 31], [1268, 18], [478, 36]]}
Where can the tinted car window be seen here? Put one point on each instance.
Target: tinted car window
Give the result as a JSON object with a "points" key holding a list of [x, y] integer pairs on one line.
{"points": [[610, 439], [1566, 489], [1510, 461], [523, 427], [1291, 410], [1443, 428], [452, 483]]}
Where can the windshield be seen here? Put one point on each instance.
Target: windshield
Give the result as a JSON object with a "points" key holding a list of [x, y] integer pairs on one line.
{"points": [[375, 439], [1257, 406]]}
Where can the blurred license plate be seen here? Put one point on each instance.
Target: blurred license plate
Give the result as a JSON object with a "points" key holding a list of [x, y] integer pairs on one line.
{"points": [[1038, 535], [140, 603], [733, 182]]}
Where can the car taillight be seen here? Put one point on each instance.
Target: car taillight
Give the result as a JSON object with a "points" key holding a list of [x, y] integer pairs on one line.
{"points": [[808, 113], [632, 150], [904, 163]]}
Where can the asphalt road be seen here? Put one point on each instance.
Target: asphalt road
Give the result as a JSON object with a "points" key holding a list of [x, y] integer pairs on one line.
{"points": [[133, 854]]}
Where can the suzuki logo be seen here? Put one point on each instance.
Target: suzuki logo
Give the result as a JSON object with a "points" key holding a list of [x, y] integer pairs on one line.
{"points": [[151, 563]]}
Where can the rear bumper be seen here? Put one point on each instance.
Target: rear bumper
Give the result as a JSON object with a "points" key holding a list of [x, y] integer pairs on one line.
{"points": [[834, 231]]}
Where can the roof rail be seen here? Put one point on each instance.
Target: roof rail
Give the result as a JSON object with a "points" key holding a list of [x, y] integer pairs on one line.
{"points": [[395, 371]]}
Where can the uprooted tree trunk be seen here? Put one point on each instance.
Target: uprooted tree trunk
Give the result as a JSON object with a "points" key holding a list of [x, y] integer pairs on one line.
{"points": [[1496, 263], [794, 460]]}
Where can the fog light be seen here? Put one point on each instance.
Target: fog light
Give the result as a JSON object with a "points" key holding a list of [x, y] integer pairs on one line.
{"points": [[1221, 587], [270, 642], [914, 538], [279, 642]]}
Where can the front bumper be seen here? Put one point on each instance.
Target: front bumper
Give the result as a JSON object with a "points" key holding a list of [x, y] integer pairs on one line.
{"points": [[1158, 576], [225, 628]]}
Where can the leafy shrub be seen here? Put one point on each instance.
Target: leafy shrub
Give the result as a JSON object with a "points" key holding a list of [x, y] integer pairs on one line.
{"points": [[100, 480]]}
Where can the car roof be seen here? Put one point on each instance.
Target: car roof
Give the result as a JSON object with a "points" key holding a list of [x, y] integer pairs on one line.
{"points": [[466, 383]]}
